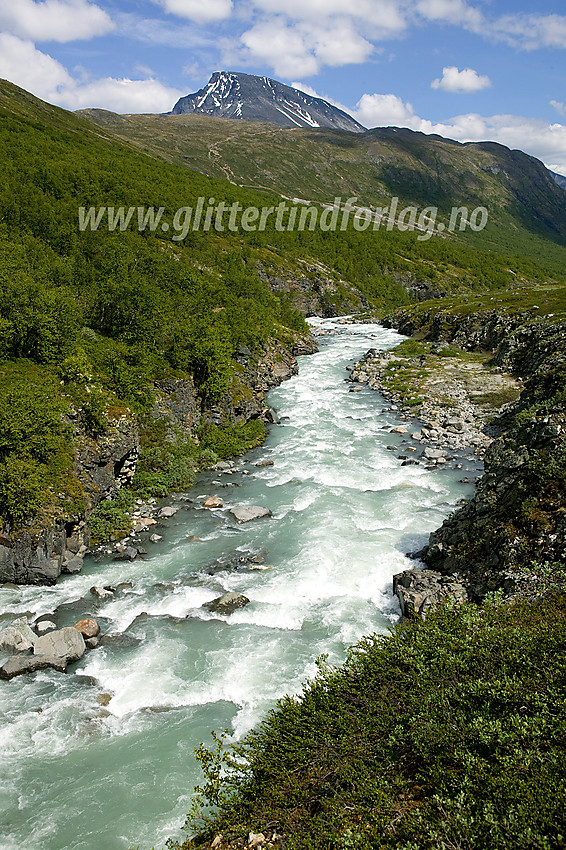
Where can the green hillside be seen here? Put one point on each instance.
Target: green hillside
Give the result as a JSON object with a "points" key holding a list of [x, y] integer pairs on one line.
{"points": [[527, 209], [90, 320]]}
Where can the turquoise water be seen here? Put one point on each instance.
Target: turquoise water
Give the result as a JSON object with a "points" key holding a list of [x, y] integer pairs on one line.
{"points": [[79, 775]]}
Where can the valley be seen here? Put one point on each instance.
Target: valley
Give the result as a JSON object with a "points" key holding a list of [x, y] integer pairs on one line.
{"points": [[415, 446]]}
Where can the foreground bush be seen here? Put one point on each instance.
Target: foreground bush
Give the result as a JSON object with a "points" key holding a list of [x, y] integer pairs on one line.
{"points": [[445, 734]]}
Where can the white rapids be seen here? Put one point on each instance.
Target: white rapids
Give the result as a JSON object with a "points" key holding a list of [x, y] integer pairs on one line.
{"points": [[103, 756]]}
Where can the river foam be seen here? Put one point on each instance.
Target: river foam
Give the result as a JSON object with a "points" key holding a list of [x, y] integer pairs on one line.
{"points": [[103, 756]]}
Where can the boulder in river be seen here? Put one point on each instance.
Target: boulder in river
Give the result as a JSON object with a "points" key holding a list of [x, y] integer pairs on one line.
{"points": [[264, 462], [434, 454], [227, 604], [18, 637], [246, 513], [119, 640], [45, 626], [73, 565], [167, 512], [101, 593], [213, 502], [129, 553], [67, 643], [88, 628], [20, 664]]}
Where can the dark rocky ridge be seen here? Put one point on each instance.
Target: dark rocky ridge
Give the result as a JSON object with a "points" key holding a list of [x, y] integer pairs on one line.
{"points": [[244, 96]]}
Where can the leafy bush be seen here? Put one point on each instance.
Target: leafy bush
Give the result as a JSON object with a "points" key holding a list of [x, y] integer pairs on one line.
{"points": [[112, 518], [234, 440], [447, 733], [35, 453]]}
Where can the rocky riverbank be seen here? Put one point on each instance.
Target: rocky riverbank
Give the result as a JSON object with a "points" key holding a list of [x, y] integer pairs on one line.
{"points": [[448, 392], [511, 536], [103, 466]]}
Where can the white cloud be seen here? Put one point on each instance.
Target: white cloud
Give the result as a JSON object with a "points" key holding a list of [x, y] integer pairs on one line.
{"points": [[201, 11], [526, 31], [460, 82], [456, 12], [26, 66], [385, 110], [121, 95], [23, 64], [376, 16], [54, 20], [532, 32], [559, 106], [305, 47]]}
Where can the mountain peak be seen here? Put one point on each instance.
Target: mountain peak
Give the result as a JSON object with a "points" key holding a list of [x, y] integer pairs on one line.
{"points": [[244, 96]]}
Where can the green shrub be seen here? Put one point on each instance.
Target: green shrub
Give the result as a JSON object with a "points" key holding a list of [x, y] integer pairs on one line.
{"points": [[232, 440], [111, 518], [447, 733]]}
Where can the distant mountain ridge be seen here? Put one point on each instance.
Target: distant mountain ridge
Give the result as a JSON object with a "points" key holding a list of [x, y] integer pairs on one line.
{"points": [[559, 179], [245, 96]]}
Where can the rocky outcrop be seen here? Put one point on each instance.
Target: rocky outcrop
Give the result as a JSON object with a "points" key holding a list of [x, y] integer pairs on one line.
{"points": [[484, 330], [102, 467], [106, 464], [178, 405], [514, 528], [420, 591], [511, 536], [317, 292], [30, 558], [254, 376]]}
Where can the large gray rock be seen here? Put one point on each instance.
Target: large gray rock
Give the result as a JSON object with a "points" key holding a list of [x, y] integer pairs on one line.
{"points": [[67, 643], [20, 664], [18, 637], [129, 553], [419, 591], [74, 565], [246, 513], [227, 604], [101, 593], [434, 454]]}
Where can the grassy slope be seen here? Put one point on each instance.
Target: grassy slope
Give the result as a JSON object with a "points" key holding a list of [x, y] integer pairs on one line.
{"points": [[527, 209]]}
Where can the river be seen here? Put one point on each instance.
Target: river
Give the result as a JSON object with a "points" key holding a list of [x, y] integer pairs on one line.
{"points": [[103, 757]]}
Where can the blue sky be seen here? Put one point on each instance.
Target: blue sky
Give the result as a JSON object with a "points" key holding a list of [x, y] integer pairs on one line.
{"points": [[467, 70]]}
